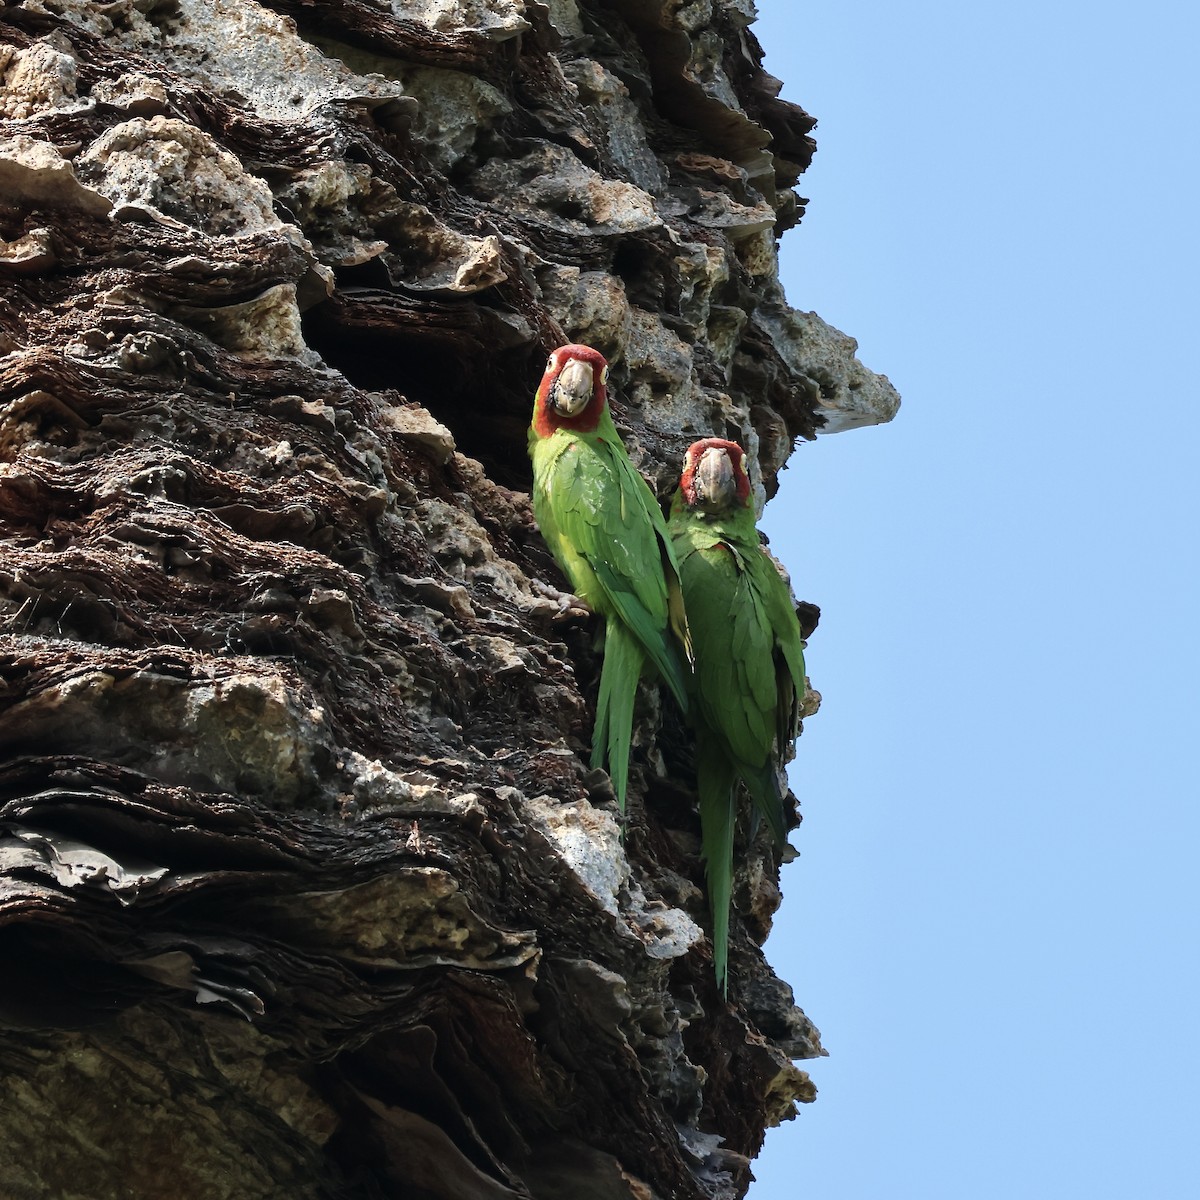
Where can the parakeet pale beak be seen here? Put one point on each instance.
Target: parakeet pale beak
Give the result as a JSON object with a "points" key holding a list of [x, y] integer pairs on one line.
{"points": [[571, 392], [714, 482]]}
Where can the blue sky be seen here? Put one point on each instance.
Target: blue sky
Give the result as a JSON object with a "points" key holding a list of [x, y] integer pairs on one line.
{"points": [[994, 916]]}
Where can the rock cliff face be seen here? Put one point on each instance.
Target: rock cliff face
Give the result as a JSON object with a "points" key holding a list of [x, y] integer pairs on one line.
{"points": [[306, 889]]}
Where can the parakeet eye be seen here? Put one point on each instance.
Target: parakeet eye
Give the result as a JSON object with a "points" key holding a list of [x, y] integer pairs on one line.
{"points": [[604, 375]]}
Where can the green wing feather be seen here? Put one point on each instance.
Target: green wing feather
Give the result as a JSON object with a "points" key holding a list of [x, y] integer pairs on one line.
{"points": [[607, 532], [789, 650]]}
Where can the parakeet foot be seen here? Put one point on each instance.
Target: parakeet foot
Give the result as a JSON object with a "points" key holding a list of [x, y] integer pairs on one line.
{"points": [[567, 606]]}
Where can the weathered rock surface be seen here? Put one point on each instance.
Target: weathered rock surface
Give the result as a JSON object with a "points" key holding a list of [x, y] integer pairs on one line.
{"points": [[305, 888]]}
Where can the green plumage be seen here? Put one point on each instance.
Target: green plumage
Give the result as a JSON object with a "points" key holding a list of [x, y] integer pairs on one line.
{"points": [[605, 529], [749, 677]]}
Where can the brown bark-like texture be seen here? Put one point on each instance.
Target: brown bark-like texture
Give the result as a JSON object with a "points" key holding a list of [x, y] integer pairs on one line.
{"points": [[306, 889]]}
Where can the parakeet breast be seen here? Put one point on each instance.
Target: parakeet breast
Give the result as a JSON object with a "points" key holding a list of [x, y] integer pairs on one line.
{"points": [[550, 456]]}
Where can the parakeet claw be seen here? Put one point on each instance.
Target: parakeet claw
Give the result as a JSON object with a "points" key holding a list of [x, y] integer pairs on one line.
{"points": [[567, 606]]}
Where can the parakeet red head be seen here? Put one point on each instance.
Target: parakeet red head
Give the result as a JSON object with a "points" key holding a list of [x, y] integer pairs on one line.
{"points": [[573, 391], [714, 476]]}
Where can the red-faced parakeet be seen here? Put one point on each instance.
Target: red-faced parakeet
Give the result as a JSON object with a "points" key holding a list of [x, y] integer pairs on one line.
{"points": [[749, 652], [606, 531]]}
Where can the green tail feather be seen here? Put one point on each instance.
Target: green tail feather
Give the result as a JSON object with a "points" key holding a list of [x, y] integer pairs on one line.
{"points": [[611, 735], [718, 810], [657, 643]]}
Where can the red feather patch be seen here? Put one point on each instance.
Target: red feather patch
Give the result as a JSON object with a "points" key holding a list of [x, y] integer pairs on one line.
{"points": [[692, 459], [545, 420]]}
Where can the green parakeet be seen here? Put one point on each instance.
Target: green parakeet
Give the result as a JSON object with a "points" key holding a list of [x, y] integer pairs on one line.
{"points": [[749, 677], [606, 531]]}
